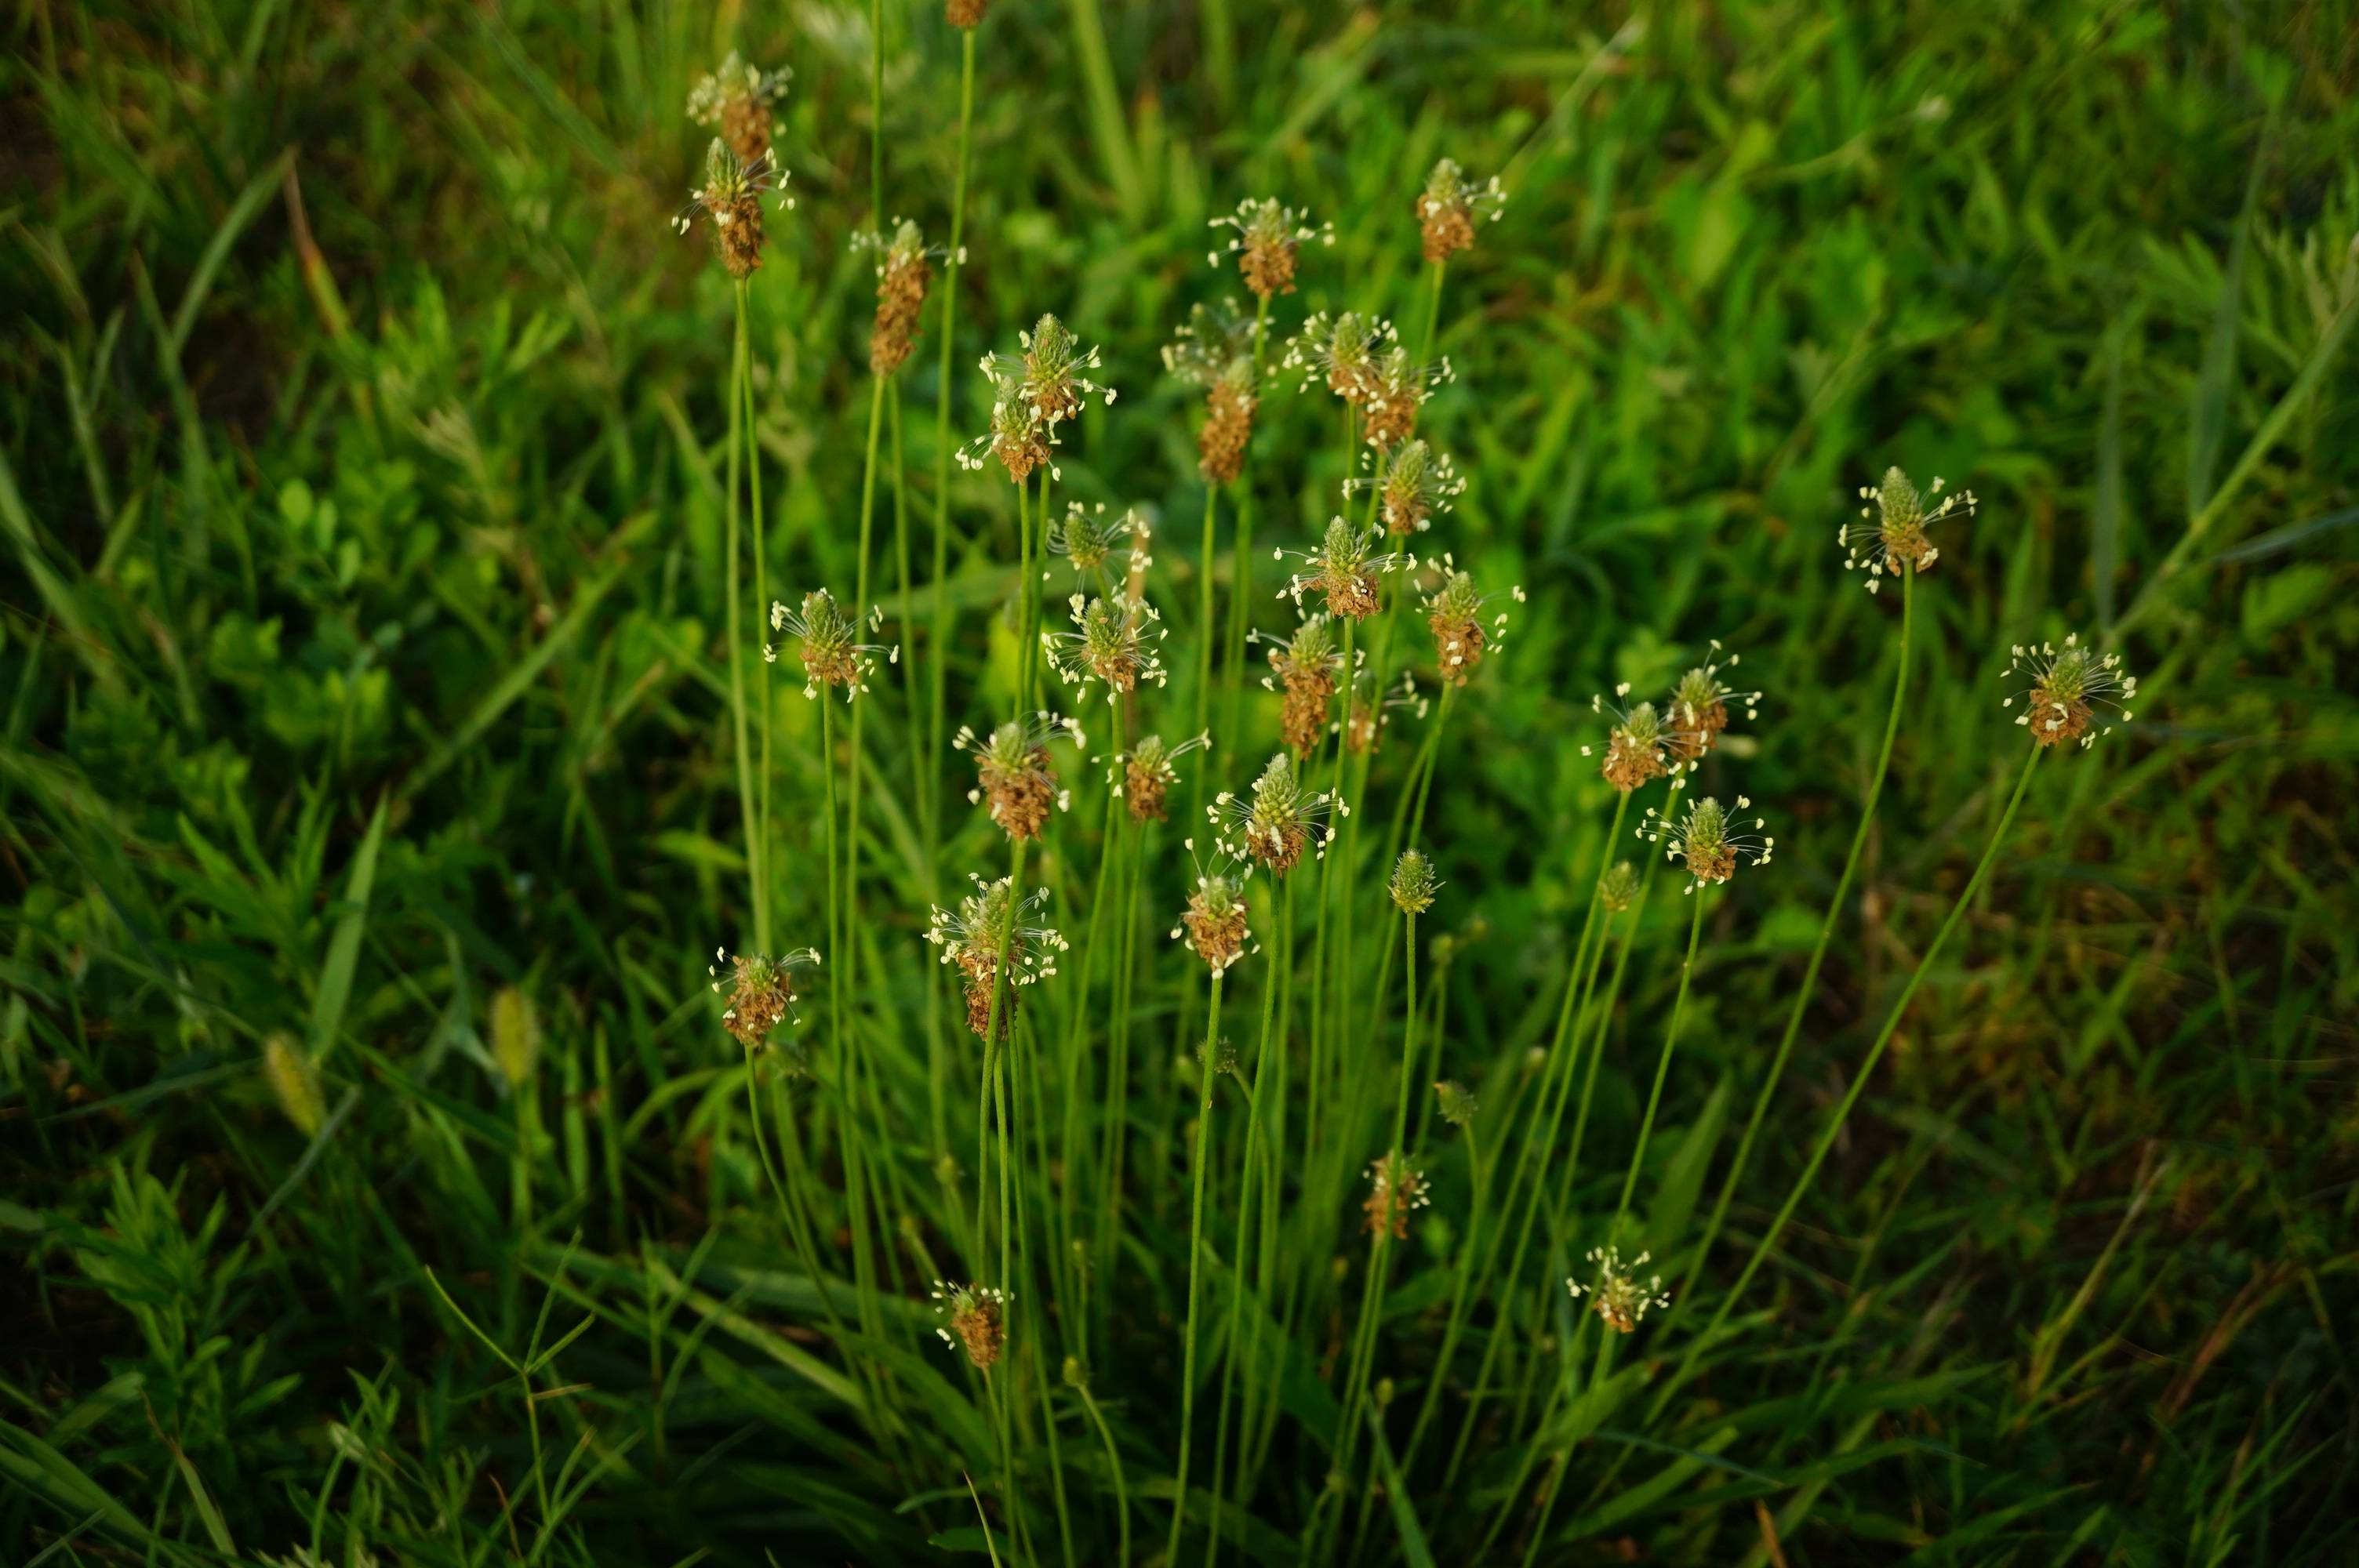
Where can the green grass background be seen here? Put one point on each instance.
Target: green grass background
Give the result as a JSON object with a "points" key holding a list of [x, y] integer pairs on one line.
{"points": [[359, 655]]}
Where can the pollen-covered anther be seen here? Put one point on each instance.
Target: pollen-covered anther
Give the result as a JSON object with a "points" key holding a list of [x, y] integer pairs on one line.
{"points": [[1895, 535], [1710, 840], [976, 1321], [1447, 208], [1616, 1296], [2075, 693], [1281, 822], [1216, 922], [902, 276], [1636, 749], [738, 100], [990, 924], [1395, 1190], [761, 992], [1266, 236]]}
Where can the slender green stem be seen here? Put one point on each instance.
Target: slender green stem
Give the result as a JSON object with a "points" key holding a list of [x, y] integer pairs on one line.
{"points": [[1802, 994], [1662, 1068], [734, 616], [1866, 1072], [1113, 1464], [1432, 312], [1372, 1299], [1204, 613], [1239, 1364], [1548, 1108], [759, 846], [1195, 1274]]}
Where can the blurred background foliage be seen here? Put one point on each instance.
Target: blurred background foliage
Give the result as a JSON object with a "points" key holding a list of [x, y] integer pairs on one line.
{"points": [[360, 658]]}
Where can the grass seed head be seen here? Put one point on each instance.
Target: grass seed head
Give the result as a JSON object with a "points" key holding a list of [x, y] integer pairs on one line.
{"points": [[1637, 746], [1616, 1295], [294, 1080], [1282, 819], [1266, 235], [1144, 775], [990, 921], [1457, 1103], [1013, 774], [1345, 570], [1395, 388], [1417, 482], [1306, 665], [1340, 351], [1617, 889], [976, 1320], [1395, 1189], [1215, 924], [736, 100], [903, 273], [1448, 207], [1091, 541], [1051, 375], [832, 654], [1113, 643], [731, 197], [761, 991], [1700, 704], [1898, 536], [1228, 426], [964, 13], [1454, 616], [1414, 884], [2075, 692], [516, 1035], [1710, 840]]}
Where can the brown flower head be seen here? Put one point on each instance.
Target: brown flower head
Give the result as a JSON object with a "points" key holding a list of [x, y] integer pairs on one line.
{"points": [[737, 101], [1896, 538], [1214, 927], [1454, 616], [1103, 551], [1279, 822], [1266, 236], [1346, 568], [1013, 774], [1394, 389], [1113, 642], [732, 196], [1616, 1296], [2071, 690], [1306, 665], [1395, 1189], [1700, 704], [1144, 776], [1413, 484], [830, 656], [1637, 748], [976, 1314], [989, 923], [1448, 206], [761, 991], [1215, 350], [1712, 842], [903, 271], [1342, 351], [964, 13]]}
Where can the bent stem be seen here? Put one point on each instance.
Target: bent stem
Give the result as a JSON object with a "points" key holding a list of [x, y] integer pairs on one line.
{"points": [[1818, 955]]}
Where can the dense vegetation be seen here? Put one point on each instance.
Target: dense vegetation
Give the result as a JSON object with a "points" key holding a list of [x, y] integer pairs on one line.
{"points": [[391, 504]]}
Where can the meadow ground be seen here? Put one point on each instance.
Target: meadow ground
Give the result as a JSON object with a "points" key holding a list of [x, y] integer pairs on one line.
{"points": [[386, 750]]}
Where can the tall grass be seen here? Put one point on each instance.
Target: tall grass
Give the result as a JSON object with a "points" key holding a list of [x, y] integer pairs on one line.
{"points": [[392, 1183]]}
